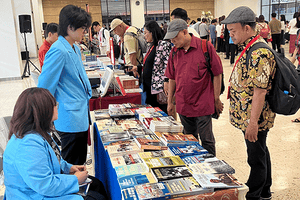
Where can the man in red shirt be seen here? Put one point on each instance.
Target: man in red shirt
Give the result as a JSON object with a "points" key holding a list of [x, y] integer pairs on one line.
{"points": [[197, 97], [51, 36]]}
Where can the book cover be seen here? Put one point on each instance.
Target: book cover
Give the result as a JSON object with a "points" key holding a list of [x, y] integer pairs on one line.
{"points": [[168, 173], [185, 150], [138, 132], [106, 139], [128, 124], [126, 170], [197, 158], [129, 194], [127, 159], [101, 114], [154, 154], [152, 191], [164, 161], [219, 166], [150, 144], [217, 180], [121, 142], [136, 179], [185, 187], [122, 149]]}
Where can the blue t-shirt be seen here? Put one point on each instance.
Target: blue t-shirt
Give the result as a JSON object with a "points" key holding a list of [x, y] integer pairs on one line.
{"points": [[212, 29]]}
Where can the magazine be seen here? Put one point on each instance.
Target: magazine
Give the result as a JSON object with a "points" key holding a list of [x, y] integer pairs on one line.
{"points": [[168, 173]]}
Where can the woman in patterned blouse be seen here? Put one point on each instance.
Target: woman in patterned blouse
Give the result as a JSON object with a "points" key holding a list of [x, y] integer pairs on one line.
{"points": [[155, 64]]}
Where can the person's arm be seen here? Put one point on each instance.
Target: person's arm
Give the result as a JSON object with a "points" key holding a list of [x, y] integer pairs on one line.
{"points": [[134, 62], [294, 55], [217, 90], [38, 173], [171, 106], [52, 68], [258, 102]]}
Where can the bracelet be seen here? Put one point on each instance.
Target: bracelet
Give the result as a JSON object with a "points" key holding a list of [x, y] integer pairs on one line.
{"points": [[166, 79]]}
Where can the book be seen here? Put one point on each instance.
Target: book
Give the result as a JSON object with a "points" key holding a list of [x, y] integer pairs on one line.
{"points": [[185, 187], [120, 142], [126, 170], [129, 194], [121, 113], [101, 114], [168, 173], [138, 132], [151, 191], [136, 179], [197, 158], [127, 159], [164, 161], [217, 166], [105, 124], [185, 150], [129, 124], [105, 81], [113, 137], [122, 149], [177, 139], [153, 154], [217, 180], [150, 144]]}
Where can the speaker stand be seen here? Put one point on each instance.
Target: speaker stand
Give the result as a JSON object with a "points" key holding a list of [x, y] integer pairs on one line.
{"points": [[28, 61]]}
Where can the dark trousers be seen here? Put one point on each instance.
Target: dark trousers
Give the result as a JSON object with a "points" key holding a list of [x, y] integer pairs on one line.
{"points": [[260, 179], [282, 39], [74, 147], [203, 126], [204, 37], [276, 42], [233, 52], [96, 190], [219, 40]]}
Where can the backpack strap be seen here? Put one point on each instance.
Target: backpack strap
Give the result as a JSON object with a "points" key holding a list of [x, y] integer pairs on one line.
{"points": [[204, 48], [255, 47]]}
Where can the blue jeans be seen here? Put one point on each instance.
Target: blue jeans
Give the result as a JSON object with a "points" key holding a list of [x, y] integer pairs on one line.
{"points": [[260, 179], [213, 41]]}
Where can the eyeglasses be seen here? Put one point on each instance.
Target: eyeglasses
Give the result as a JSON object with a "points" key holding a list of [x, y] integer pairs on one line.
{"points": [[57, 104]]}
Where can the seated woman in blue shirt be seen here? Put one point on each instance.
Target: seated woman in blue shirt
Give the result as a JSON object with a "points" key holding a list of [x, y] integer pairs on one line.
{"points": [[32, 163]]}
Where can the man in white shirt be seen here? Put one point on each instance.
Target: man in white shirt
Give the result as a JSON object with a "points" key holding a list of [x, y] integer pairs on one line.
{"points": [[103, 37]]}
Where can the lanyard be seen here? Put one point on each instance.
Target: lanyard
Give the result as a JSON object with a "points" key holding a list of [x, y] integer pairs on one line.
{"points": [[147, 54], [247, 47]]}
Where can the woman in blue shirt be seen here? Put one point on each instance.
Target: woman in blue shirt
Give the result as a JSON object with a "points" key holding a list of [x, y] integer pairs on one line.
{"points": [[32, 164]]}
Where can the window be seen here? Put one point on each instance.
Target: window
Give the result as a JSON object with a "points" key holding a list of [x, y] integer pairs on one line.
{"points": [[157, 10], [280, 7], [113, 8]]}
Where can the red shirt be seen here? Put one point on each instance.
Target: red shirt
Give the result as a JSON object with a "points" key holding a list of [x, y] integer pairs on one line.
{"points": [[194, 87], [42, 52]]}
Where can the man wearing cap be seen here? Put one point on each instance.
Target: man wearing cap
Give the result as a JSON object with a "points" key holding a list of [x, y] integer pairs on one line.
{"points": [[248, 110], [197, 97], [132, 53]]}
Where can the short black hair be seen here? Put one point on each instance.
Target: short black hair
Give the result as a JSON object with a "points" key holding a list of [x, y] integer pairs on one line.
{"points": [[155, 30], [273, 14], [180, 13], [261, 18], [51, 28], [95, 24], [204, 20], [213, 21], [73, 16], [251, 24], [199, 19]]}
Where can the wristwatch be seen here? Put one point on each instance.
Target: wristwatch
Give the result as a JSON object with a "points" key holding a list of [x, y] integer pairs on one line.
{"points": [[166, 79]]}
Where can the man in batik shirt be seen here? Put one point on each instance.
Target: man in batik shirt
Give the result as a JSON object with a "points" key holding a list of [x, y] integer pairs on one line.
{"points": [[249, 111]]}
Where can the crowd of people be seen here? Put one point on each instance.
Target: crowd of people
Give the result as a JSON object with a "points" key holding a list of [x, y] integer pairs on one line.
{"points": [[175, 77]]}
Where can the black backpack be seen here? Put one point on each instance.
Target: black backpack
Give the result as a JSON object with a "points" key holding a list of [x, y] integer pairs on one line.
{"points": [[284, 97]]}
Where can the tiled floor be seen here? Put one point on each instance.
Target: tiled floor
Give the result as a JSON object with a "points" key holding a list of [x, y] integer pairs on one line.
{"points": [[283, 141]]}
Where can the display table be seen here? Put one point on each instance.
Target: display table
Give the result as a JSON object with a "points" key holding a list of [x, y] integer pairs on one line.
{"points": [[103, 102], [105, 172]]}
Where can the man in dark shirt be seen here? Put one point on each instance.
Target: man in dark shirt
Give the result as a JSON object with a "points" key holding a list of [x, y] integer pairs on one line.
{"points": [[51, 36], [197, 96]]}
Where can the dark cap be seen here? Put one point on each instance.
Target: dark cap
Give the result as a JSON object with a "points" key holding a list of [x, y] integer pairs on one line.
{"points": [[239, 15], [174, 27]]}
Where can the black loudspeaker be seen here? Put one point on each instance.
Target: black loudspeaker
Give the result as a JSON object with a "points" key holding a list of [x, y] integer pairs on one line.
{"points": [[24, 55], [25, 23], [44, 26]]}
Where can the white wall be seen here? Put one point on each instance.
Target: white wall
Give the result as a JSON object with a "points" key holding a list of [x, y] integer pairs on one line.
{"points": [[137, 13], [23, 7], [224, 7], [38, 19], [10, 57]]}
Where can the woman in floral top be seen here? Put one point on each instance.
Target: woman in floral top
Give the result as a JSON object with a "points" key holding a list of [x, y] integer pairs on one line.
{"points": [[155, 64], [263, 29]]}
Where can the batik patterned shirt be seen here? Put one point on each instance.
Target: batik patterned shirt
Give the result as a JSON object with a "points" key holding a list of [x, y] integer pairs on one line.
{"points": [[244, 79]]}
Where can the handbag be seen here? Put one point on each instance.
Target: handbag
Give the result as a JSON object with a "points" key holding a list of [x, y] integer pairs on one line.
{"points": [[162, 98]]}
